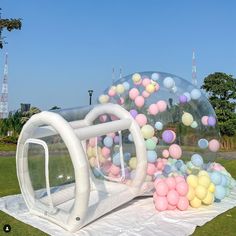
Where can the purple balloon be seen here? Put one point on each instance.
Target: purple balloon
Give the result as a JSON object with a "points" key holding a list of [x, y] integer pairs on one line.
{"points": [[211, 121], [168, 136], [116, 139], [133, 113], [183, 99]]}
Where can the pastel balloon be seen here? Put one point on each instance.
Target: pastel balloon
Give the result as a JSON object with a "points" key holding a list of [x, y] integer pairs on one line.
{"points": [[150, 144], [93, 162], [196, 203], [220, 192], [141, 119], [216, 177], [214, 145], [203, 143], [162, 105], [188, 96], [103, 118], [179, 179], [133, 93], [108, 141], [191, 193], [158, 125], [183, 203], [147, 131], [161, 189], [168, 136], [171, 183], [103, 98], [175, 151], [165, 153], [161, 203], [195, 94], [211, 121], [139, 101], [92, 142], [151, 156], [115, 170], [155, 76], [136, 77], [208, 200], [159, 165], [204, 180], [157, 87], [168, 83], [146, 82], [171, 207], [187, 119], [111, 92], [197, 160], [133, 163], [130, 138], [120, 88], [116, 159], [116, 139], [183, 99], [150, 88], [200, 192], [145, 94], [106, 167], [121, 101], [126, 85], [133, 113], [172, 197], [106, 152], [192, 180], [204, 120], [194, 124], [151, 169], [153, 109], [182, 188]]}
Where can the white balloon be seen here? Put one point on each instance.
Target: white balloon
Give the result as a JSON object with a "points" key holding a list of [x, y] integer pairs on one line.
{"points": [[155, 76], [195, 94], [187, 94], [168, 82]]}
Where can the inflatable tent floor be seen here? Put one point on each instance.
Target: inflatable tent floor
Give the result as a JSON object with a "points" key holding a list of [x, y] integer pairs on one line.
{"points": [[137, 217]]}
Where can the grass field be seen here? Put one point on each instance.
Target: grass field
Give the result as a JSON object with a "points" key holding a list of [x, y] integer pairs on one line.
{"points": [[225, 224], [7, 147]]}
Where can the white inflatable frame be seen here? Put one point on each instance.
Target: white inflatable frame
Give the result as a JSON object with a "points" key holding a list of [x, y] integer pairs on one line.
{"points": [[83, 198]]}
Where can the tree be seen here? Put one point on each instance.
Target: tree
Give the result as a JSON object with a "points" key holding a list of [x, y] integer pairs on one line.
{"points": [[221, 89], [9, 24], [26, 115]]}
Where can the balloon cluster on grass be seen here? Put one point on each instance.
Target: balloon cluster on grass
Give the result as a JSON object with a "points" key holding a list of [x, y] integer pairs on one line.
{"points": [[173, 116]]}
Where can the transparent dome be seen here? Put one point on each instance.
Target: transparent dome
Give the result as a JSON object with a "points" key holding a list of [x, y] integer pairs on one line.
{"points": [[175, 117]]}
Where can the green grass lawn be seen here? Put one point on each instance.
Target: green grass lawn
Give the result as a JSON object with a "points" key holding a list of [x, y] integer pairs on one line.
{"points": [[7, 147], [225, 224]]}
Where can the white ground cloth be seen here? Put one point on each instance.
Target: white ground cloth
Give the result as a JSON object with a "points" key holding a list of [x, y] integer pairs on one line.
{"points": [[138, 217]]}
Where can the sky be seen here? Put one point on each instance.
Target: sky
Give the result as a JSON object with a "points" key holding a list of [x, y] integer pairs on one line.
{"points": [[67, 47]]}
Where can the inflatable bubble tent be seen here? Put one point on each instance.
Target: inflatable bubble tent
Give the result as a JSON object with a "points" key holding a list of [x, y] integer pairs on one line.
{"points": [[75, 165]]}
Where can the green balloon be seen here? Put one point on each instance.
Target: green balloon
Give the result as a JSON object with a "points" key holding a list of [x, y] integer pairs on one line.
{"points": [[150, 144]]}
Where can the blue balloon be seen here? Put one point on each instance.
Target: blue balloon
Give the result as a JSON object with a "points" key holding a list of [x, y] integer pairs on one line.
{"points": [[116, 159], [126, 85], [215, 177], [183, 168], [130, 138], [220, 192], [127, 156], [223, 180], [151, 156], [96, 172], [108, 141], [197, 160], [158, 125], [203, 143], [178, 164], [167, 169]]}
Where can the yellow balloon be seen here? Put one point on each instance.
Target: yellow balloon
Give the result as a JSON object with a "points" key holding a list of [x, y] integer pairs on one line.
{"points": [[191, 193], [200, 192], [90, 152], [93, 161], [196, 202], [120, 88], [187, 119], [208, 200], [147, 131], [212, 188], [192, 180], [113, 88], [133, 163], [204, 180], [150, 88], [136, 77], [103, 99], [203, 172]]}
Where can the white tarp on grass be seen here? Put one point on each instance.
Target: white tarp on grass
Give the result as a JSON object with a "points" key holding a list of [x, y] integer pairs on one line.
{"points": [[138, 217]]}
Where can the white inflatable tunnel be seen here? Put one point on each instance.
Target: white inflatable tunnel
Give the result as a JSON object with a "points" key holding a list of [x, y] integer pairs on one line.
{"points": [[81, 198]]}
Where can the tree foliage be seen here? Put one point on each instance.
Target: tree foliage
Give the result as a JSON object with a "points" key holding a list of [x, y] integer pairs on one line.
{"points": [[221, 89]]}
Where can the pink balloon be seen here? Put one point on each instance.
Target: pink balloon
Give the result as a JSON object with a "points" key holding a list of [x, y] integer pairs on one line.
{"points": [[113, 176], [157, 87], [171, 207], [145, 94], [175, 151], [106, 167], [111, 135], [155, 197], [170, 181], [164, 161], [151, 169], [138, 82], [153, 109], [106, 152], [173, 197], [162, 189], [182, 188], [157, 181], [115, 170], [204, 120], [133, 93], [111, 92], [146, 81], [165, 153], [179, 179], [141, 119], [139, 101], [113, 117], [162, 105], [214, 145], [183, 203], [159, 165], [174, 134], [92, 142], [121, 101], [103, 118], [161, 203]]}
